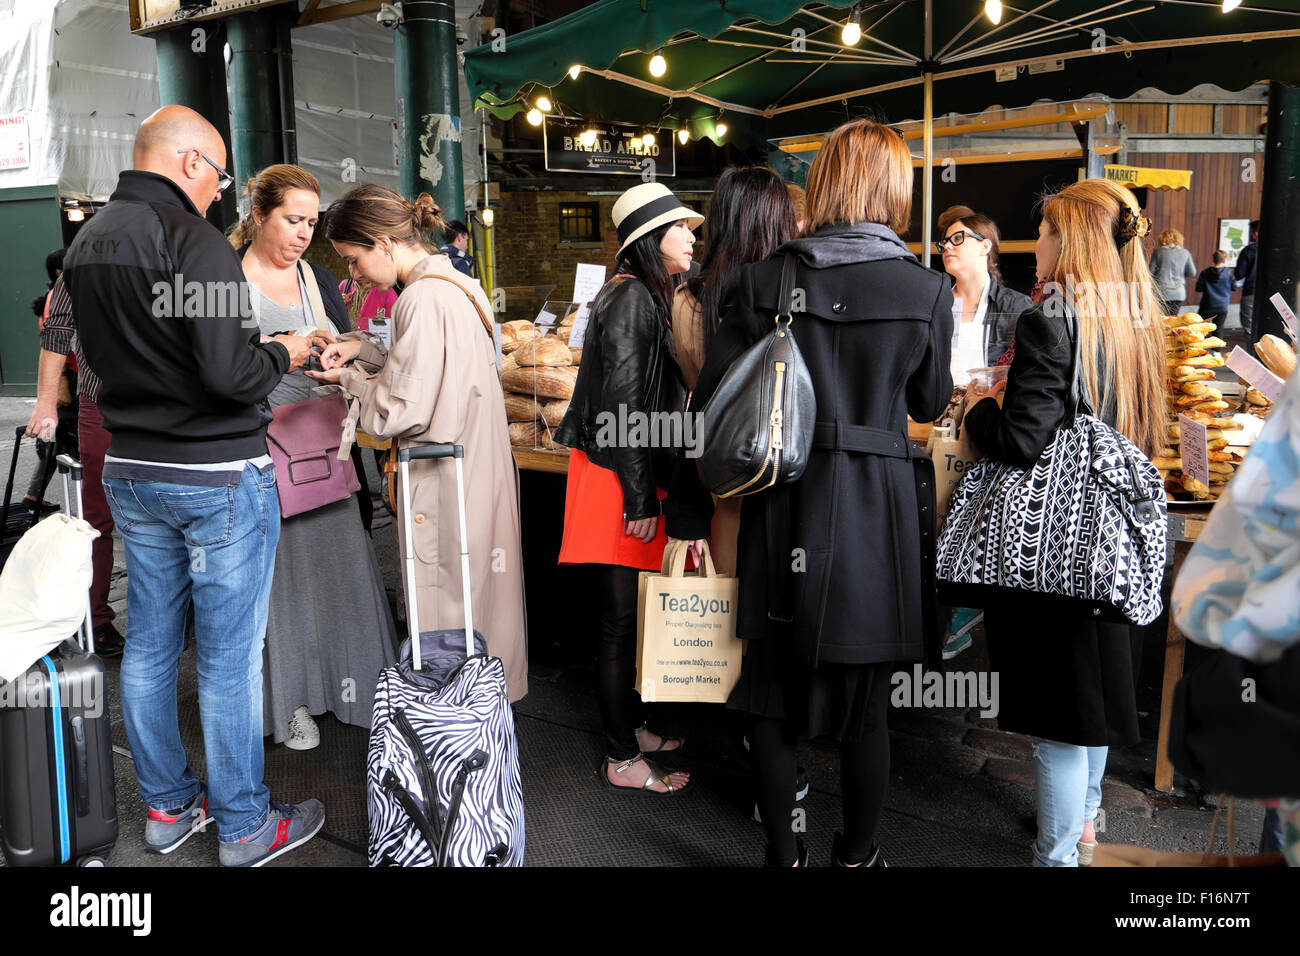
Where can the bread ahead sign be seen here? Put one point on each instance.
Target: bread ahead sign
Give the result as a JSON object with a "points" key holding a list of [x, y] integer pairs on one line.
{"points": [[576, 146]]}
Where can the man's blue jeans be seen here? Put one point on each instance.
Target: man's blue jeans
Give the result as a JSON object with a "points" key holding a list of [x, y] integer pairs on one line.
{"points": [[215, 546]]}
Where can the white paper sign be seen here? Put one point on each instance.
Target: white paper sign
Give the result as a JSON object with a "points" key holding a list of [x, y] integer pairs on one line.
{"points": [[1287, 315], [544, 319], [496, 338], [587, 281], [382, 330], [1245, 365], [1194, 448], [15, 141], [579, 330]]}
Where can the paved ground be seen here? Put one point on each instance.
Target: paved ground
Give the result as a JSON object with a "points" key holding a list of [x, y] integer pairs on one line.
{"points": [[961, 791]]}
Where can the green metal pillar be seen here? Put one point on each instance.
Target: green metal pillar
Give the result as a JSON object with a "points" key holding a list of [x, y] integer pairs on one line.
{"points": [[1279, 221], [261, 81], [192, 72], [428, 104]]}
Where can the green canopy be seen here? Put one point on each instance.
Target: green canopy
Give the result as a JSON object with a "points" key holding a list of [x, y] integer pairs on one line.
{"points": [[776, 68]]}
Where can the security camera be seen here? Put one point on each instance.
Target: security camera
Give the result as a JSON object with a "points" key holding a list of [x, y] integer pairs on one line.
{"points": [[390, 15]]}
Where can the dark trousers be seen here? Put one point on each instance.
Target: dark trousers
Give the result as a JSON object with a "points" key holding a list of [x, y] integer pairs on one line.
{"points": [[65, 443], [94, 445], [620, 704]]}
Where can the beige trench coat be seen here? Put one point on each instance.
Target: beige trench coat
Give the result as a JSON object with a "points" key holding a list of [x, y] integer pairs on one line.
{"points": [[438, 384]]}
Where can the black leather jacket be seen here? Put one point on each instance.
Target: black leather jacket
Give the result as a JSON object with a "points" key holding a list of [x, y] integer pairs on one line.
{"points": [[628, 373], [1004, 308]]}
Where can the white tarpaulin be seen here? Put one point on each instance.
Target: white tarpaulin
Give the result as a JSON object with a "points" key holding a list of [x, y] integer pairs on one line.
{"points": [[85, 83]]}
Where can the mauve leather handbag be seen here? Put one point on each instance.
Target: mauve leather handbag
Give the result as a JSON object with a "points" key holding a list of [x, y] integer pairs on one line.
{"points": [[303, 440]]}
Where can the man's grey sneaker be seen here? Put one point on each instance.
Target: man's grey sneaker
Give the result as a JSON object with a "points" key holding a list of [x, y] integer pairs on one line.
{"points": [[286, 828], [168, 829]]}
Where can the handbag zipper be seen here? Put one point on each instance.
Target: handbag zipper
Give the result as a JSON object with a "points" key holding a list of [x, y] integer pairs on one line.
{"points": [[774, 443], [475, 761], [407, 731]]}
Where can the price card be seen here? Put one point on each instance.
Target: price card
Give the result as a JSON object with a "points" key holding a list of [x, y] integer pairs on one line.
{"points": [[587, 281], [1292, 326], [496, 339], [1194, 448], [579, 330], [1249, 368], [382, 330], [544, 319]]}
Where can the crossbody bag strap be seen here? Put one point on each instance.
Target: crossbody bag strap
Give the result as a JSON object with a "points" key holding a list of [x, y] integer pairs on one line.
{"points": [[487, 323], [309, 283], [1078, 397]]}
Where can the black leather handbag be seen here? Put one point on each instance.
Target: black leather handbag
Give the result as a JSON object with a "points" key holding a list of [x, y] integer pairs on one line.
{"points": [[757, 428]]}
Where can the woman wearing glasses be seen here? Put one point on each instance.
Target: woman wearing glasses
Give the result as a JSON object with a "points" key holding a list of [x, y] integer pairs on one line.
{"points": [[984, 311]]}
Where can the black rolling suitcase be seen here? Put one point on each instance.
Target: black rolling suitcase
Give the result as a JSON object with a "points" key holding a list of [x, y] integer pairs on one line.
{"points": [[14, 520], [58, 799]]}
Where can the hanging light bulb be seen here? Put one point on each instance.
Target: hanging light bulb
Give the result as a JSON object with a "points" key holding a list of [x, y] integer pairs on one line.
{"points": [[1230, 5], [683, 136], [488, 217], [574, 71], [75, 214], [852, 31], [588, 137], [721, 129], [534, 117], [658, 65], [648, 140], [544, 104], [993, 9]]}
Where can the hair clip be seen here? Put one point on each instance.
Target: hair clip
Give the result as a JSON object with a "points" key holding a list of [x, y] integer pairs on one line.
{"points": [[1132, 225]]}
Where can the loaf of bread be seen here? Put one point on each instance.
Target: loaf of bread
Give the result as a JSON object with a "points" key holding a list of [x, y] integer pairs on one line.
{"points": [[508, 361], [522, 408], [515, 334], [547, 350], [553, 412], [1278, 357], [562, 333], [525, 434], [575, 356], [541, 381]]}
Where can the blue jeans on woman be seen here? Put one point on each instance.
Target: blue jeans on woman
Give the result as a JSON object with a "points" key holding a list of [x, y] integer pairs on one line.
{"points": [[1068, 792], [214, 546]]}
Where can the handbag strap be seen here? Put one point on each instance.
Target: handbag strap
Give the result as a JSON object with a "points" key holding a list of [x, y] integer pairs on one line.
{"points": [[785, 297], [487, 323], [309, 283], [1078, 397]]}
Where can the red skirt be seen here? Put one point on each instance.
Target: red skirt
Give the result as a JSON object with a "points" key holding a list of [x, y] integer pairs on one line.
{"points": [[594, 529]]}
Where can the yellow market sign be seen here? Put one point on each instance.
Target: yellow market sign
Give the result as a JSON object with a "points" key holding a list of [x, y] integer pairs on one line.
{"points": [[1140, 177]]}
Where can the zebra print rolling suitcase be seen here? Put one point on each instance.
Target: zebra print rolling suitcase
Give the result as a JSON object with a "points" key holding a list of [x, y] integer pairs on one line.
{"points": [[442, 776]]}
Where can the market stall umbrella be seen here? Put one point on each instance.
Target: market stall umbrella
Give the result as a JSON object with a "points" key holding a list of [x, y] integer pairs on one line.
{"points": [[774, 68]]}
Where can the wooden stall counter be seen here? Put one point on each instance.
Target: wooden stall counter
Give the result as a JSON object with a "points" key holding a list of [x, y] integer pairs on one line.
{"points": [[541, 459]]}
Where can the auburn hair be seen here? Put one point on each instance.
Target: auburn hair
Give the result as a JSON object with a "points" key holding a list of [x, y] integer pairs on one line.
{"points": [[1170, 237], [799, 199], [1118, 308], [975, 222], [863, 173], [365, 214], [266, 191]]}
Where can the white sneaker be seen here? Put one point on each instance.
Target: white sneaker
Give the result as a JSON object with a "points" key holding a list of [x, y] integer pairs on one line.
{"points": [[303, 732]]}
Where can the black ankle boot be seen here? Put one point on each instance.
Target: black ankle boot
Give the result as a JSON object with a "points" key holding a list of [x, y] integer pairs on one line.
{"points": [[874, 858]]}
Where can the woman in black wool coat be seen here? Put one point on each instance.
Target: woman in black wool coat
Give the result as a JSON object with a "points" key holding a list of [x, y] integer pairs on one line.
{"points": [[834, 585]]}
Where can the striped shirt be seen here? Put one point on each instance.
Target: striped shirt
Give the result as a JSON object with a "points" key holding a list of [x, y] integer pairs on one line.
{"points": [[59, 334]]}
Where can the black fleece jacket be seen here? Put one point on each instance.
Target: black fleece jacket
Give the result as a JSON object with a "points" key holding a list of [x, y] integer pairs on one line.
{"points": [[164, 318]]}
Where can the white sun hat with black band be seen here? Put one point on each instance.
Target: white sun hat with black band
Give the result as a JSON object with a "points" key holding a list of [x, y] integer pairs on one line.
{"points": [[643, 209]]}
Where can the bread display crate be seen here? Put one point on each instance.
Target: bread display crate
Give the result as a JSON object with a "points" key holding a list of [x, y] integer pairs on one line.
{"points": [[539, 370]]}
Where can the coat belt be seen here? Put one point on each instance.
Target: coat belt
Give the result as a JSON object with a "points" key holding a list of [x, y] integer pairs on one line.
{"points": [[837, 436]]}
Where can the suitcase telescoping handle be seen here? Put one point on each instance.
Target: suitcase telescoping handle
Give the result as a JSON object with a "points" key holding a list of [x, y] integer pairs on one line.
{"points": [[69, 466], [404, 457]]}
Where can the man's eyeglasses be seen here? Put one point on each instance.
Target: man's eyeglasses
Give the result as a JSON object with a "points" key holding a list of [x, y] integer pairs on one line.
{"points": [[955, 240], [224, 179]]}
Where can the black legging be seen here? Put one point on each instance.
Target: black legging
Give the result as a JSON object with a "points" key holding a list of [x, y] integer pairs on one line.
{"points": [[620, 705], [864, 778]]}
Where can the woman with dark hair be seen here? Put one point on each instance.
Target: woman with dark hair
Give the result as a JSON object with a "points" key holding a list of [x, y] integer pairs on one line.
{"points": [[752, 213], [437, 383], [612, 508], [329, 631]]}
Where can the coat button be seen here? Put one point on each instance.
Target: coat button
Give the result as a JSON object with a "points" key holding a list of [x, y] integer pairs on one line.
{"points": [[419, 519], [837, 307]]}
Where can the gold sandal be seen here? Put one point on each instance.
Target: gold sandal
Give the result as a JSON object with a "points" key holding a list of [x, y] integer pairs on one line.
{"points": [[657, 775]]}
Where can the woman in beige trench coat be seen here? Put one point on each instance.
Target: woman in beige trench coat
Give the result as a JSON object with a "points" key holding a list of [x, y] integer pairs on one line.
{"points": [[437, 383]]}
